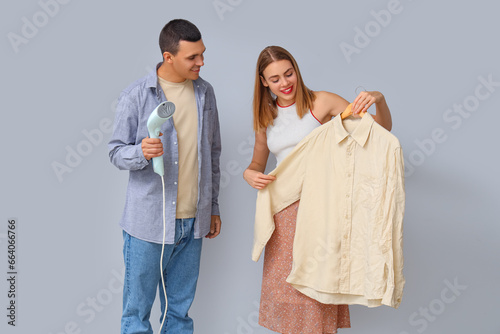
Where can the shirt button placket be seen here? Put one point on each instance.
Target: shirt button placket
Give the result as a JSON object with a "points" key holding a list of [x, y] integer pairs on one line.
{"points": [[346, 242]]}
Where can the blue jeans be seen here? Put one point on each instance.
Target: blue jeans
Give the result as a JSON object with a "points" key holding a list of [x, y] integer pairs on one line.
{"points": [[181, 264]]}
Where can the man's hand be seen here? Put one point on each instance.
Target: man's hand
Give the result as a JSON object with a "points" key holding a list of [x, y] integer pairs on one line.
{"points": [[214, 227], [151, 147]]}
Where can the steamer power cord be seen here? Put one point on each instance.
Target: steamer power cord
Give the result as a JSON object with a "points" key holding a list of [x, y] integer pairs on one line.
{"points": [[160, 115]]}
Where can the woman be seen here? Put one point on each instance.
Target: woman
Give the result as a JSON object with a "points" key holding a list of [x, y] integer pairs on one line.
{"points": [[285, 111]]}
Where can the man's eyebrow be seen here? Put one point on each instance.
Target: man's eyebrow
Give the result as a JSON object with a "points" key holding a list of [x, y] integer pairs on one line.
{"points": [[195, 54]]}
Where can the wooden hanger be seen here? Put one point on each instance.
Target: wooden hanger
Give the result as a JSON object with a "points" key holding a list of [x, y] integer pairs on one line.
{"points": [[348, 112]]}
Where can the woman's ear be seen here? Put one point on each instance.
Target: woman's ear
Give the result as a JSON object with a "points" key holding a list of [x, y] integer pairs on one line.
{"points": [[264, 82]]}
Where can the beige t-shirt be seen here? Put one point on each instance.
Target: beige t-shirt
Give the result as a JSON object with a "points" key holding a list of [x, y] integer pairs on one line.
{"points": [[186, 123]]}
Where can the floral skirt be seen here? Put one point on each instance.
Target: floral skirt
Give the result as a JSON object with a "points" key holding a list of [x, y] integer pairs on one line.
{"points": [[282, 308]]}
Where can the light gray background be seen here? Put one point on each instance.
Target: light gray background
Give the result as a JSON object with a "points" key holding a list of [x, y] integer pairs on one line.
{"points": [[64, 80]]}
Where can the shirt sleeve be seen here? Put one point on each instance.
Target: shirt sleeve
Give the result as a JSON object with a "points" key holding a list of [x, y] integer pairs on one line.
{"points": [[216, 152], [396, 279], [124, 152], [285, 190]]}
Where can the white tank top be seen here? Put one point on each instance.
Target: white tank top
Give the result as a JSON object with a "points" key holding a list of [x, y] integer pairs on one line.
{"points": [[288, 130]]}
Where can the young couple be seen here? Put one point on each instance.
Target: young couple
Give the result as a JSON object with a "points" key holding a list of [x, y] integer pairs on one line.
{"points": [[285, 111]]}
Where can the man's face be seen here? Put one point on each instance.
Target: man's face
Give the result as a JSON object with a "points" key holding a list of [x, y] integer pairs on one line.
{"points": [[188, 60]]}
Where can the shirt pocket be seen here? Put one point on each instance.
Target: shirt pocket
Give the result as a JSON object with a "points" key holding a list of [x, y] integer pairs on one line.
{"points": [[370, 207], [369, 195]]}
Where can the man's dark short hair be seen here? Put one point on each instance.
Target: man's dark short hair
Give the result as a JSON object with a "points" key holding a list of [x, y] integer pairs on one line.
{"points": [[174, 32]]}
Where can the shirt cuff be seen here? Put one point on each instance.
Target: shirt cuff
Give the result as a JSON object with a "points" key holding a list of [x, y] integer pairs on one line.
{"points": [[215, 209], [393, 296], [142, 162]]}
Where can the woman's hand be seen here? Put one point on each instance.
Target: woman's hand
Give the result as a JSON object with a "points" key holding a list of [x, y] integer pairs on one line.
{"points": [[257, 179], [365, 99]]}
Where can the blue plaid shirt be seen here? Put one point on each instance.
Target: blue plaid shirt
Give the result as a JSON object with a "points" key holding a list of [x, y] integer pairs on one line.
{"points": [[142, 216]]}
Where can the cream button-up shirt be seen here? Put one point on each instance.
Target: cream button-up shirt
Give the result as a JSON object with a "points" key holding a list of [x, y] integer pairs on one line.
{"points": [[348, 244]]}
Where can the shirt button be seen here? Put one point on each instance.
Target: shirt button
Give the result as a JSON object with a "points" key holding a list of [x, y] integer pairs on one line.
{"points": [[346, 236], [175, 143], [346, 216], [175, 162], [343, 256], [175, 182], [173, 203], [347, 195], [349, 175]]}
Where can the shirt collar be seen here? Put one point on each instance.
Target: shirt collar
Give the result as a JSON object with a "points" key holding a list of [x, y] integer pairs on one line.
{"points": [[360, 134], [152, 78]]}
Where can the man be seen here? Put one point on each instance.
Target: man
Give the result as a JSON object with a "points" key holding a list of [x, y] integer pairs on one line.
{"points": [[191, 147]]}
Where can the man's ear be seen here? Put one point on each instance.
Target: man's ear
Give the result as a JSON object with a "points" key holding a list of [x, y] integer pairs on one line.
{"points": [[167, 57]]}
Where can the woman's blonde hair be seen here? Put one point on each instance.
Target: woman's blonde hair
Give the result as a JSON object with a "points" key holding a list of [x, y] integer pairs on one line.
{"points": [[264, 106]]}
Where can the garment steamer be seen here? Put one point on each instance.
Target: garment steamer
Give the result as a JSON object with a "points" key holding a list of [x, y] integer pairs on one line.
{"points": [[160, 115]]}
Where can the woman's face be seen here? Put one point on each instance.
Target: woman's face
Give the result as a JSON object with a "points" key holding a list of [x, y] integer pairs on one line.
{"points": [[281, 78]]}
